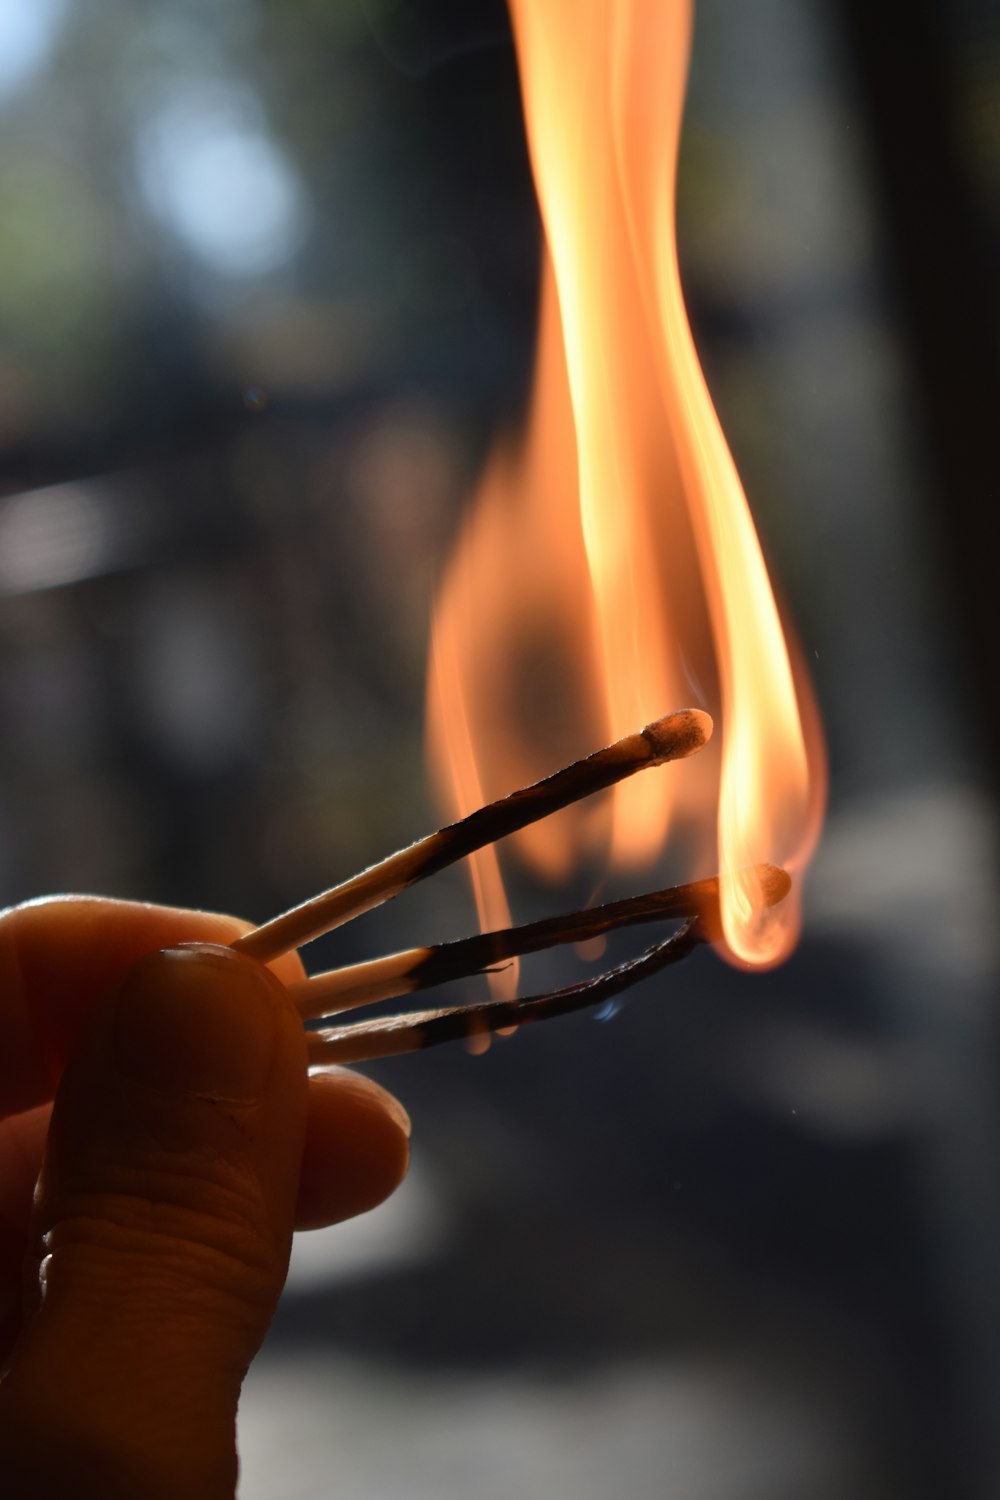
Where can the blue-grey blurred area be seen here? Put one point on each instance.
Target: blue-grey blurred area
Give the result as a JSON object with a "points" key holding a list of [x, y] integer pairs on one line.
{"points": [[268, 274]]}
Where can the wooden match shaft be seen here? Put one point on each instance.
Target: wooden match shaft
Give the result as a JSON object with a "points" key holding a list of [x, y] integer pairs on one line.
{"points": [[391, 1036], [671, 738], [422, 968]]}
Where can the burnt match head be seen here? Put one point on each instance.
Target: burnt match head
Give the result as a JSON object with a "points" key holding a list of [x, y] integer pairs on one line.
{"points": [[678, 735], [772, 885], [775, 883]]}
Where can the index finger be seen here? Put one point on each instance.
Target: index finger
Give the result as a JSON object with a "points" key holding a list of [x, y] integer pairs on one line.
{"points": [[59, 956]]}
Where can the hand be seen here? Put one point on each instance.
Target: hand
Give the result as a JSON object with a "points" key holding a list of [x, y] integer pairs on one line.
{"points": [[185, 1143]]}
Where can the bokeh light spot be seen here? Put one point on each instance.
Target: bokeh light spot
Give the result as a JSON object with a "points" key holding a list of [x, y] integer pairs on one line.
{"points": [[211, 172], [28, 31]]}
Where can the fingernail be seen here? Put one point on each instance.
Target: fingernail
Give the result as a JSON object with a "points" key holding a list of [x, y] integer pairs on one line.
{"points": [[370, 1092], [199, 1020]]}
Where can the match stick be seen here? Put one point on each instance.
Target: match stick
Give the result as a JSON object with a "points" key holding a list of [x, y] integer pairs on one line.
{"points": [[391, 1036], [401, 974], [671, 738]]}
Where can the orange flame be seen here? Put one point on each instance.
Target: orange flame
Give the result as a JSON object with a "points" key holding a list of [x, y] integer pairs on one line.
{"points": [[610, 570]]}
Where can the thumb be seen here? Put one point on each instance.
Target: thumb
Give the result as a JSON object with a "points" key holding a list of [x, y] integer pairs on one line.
{"points": [[164, 1218]]}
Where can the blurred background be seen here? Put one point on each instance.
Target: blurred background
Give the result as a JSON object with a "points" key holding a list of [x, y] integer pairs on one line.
{"points": [[268, 283]]}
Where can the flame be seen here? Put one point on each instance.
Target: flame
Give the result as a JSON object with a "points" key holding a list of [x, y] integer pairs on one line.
{"points": [[609, 570]]}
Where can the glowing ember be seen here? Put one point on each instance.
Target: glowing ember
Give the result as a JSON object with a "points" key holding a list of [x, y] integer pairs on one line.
{"points": [[610, 570]]}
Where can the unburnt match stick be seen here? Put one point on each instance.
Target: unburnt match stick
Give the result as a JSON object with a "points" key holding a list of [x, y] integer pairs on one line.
{"points": [[671, 738], [390, 1036], [421, 968]]}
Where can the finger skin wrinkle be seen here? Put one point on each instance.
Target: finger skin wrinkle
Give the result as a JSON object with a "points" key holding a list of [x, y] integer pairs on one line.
{"points": [[203, 1177], [194, 1259]]}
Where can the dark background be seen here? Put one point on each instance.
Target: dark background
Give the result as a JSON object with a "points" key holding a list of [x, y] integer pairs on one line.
{"points": [[268, 275]]}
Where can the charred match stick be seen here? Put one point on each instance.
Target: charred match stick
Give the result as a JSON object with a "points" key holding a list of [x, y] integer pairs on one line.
{"points": [[390, 1036], [671, 738], [421, 968]]}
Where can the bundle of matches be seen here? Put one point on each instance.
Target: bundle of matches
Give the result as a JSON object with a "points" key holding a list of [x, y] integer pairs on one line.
{"points": [[674, 737]]}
